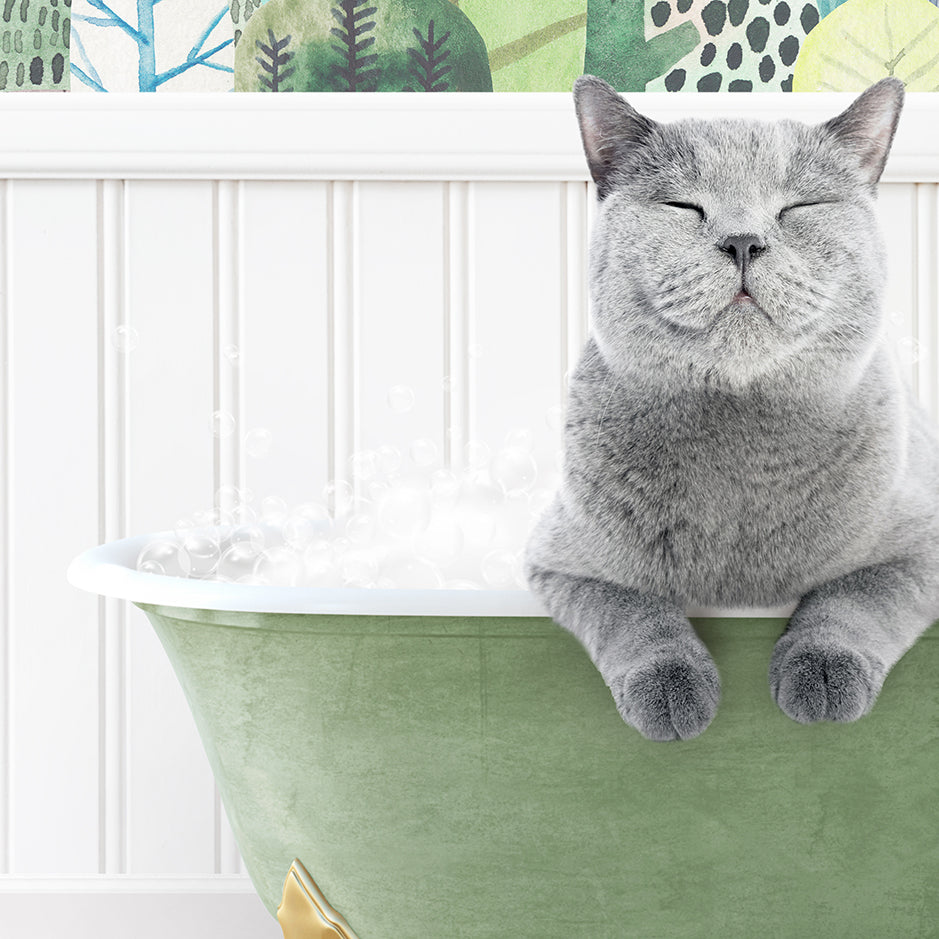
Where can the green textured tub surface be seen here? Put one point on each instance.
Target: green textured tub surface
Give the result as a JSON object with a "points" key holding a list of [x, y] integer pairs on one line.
{"points": [[470, 777]]}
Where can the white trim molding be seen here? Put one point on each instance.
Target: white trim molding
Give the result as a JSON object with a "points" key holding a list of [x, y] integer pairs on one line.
{"points": [[466, 136], [142, 907]]}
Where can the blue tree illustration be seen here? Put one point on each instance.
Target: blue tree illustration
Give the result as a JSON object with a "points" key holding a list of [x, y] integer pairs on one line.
{"points": [[144, 35]]}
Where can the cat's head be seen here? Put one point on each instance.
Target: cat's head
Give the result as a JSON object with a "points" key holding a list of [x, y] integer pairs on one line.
{"points": [[729, 249]]}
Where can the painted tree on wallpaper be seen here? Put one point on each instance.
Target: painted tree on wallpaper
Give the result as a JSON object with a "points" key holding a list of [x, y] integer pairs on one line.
{"points": [[274, 63], [617, 48], [365, 45], [428, 64], [862, 41], [127, 59], [34, 44]]}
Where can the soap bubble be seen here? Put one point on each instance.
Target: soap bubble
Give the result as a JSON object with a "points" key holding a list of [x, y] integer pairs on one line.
{"points": [[258, 442], [227, 496], [442, 541], [241, 515], [209, 519], [554, 418], [339, 495], [389, 460], [445, 485], [239, 560], [462, 585], [515, 469], [423, 452], [514, 520], [307, 523], [160, 557], [475, 511], [247, 534], [400, 398], [199, 553], [501, 569], [477, 454], [360, 528], [402, 570], [279, 565], [358, 568], [364, 464], [125, 339], [376, 490], [319, 565], [252, 580], [222, 424], [232, 355], [183, 528], [403, 511], [273, 510], [475, 350], [908, 351], [447, 384], [519, 438]]}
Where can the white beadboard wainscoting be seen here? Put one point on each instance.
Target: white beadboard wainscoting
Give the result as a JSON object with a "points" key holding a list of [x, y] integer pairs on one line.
{"points": [[200, 291]]}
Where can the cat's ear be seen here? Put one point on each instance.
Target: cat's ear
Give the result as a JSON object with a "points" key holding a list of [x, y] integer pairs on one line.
{"points": [[868, 125], [609, 127]]}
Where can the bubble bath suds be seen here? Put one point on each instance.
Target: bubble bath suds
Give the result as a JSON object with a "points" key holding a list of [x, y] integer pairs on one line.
{"points": [[401, 521]]}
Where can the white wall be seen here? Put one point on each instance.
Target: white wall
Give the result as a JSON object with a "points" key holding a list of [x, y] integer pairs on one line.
{"points": [[134, 308]]}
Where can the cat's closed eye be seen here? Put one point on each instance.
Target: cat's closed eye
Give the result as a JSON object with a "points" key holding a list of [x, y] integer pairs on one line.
{"points": [[686, 205], [801, 205]]}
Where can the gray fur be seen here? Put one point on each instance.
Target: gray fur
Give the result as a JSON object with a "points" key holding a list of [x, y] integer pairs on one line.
{"points": [[732, 453]]}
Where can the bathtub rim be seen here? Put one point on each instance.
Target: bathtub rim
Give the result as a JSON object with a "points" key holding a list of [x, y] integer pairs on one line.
{"points": [[110, 570]]}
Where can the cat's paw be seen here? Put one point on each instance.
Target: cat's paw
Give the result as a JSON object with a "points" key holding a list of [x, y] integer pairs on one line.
{"points": [[821, 680], [670, 695]]}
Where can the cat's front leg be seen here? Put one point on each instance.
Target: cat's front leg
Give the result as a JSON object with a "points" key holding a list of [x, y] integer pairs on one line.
{"points": [[843, 639], [662, 678]]}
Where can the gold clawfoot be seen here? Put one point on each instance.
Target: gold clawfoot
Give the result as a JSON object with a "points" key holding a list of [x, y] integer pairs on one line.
{"points": [[304, 913]]}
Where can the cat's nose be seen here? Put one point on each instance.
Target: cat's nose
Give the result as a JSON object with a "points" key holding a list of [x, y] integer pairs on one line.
{"points": [[742, 248]]}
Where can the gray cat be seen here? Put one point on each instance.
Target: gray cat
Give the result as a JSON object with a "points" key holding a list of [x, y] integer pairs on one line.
{"points": [[736, 432]]}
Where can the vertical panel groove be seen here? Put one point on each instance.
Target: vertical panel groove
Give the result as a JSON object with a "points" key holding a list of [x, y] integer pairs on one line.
{"points": [[330, 328], [446, 398], [113, 352], [927, 296], [343, 319], [567, 239], [228, 469], [6, 502], [467, 387], [227, 199], [456, 394]]}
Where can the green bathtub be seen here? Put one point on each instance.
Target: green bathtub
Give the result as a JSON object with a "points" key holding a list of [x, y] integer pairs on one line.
{"points": [[449, 775]]}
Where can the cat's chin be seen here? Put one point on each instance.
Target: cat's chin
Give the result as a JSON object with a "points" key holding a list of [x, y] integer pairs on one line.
{"points": [[741, 346]]}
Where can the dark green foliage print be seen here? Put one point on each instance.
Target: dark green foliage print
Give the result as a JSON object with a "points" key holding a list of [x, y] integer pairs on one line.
{"points": [[274, 58], [617, 49], [34, 43], [356, 71], [367, 45], [427, 62]]}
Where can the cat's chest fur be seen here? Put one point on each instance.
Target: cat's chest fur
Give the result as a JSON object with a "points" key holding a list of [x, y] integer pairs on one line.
{"points": [[726, 499]]}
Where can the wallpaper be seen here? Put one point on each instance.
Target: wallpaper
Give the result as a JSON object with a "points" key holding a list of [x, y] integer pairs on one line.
{"points": [[273, 46]]}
